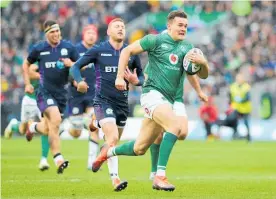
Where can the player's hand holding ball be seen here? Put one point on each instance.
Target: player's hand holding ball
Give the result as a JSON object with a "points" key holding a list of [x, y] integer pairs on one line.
{"points": [[193, 62], [196, 56], [120, 83], [82, 87], [29, 88]]}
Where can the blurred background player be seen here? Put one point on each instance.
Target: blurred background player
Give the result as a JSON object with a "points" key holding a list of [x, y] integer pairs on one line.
{"points": [[54, 56], [30, 112], [81, 108], [110, 104], [209, 114], [240, 100], [159, 93]]}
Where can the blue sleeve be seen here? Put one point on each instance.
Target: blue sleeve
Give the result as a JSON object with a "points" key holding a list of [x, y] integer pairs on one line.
{"points": [[74, 56], [33, 55], [89, 57], [139, 70]]}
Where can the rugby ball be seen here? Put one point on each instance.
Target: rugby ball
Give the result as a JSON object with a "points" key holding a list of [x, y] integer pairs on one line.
{"points": [[190, 67]]}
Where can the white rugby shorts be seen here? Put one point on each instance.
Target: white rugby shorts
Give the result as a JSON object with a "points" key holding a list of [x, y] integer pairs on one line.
{"points": [[152, 99], [29, 109]]}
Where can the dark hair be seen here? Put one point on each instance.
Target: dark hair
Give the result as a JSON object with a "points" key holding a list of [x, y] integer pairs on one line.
{"points": [[176, 13], [48, 23]]}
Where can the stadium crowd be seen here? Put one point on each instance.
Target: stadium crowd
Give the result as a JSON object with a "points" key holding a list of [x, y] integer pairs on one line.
{"points": [[245, 43]]}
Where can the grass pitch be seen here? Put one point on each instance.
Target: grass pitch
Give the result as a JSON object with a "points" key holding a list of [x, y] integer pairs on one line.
{"points": [[212, 170]]}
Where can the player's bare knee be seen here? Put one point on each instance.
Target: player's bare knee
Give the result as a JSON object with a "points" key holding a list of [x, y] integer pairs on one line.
{"points": [[183, 133], [175, 129], [140, 149]]}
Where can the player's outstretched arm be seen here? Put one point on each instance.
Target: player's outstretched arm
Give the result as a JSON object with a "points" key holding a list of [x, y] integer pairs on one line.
{"points": [[196, 85], [87, 58], [28, 87], [132, 49]]}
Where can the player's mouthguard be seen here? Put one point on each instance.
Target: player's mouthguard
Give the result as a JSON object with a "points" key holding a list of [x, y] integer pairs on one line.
{"points": [[51, 28]]}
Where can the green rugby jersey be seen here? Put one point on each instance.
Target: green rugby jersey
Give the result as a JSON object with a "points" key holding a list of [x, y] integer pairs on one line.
{"points": [[164, 71]]}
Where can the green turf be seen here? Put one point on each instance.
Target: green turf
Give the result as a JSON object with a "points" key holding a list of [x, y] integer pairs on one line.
{"points": [[198, 169]]}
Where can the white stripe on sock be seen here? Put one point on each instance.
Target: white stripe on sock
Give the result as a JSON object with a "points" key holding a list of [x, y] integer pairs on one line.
{"points": [[161, 172]]}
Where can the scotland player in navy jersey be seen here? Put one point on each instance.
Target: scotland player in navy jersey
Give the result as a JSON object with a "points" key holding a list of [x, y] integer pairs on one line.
{"points": [[54, 57], [110, 104], [80, 105]]}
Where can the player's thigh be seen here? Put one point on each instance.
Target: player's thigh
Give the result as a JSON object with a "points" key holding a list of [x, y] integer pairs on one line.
{"points": [[53, 115], [166, 118], [148, 133], [158, 108], [180, 111]]}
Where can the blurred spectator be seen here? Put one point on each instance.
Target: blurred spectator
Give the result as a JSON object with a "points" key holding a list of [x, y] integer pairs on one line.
{"points": [[209, 114], [240, 100]]}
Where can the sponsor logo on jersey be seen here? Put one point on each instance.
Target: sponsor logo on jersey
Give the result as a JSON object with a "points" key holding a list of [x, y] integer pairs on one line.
{"points": [[50, 64], [106, 55], [45, 53], [111, 69], [173, 59], [109, 111], [81, 54], [64, 52]]}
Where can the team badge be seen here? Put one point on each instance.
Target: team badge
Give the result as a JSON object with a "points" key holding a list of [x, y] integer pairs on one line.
{"points": [[173, 59], [75, 110], [109, 111], [64, 52], [50, 101]]}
